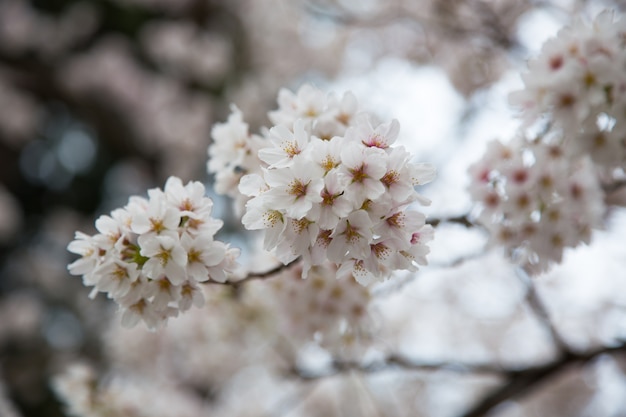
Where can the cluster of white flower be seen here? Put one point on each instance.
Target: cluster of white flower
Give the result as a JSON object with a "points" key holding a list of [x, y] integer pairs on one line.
{"points": [[150, 255], [578, 82], [330, 186], [534, 201], [333, 311], [544, 192], [233, 154]]}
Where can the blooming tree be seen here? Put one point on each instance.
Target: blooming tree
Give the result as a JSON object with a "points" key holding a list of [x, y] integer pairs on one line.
{"points": [[319, 265]]}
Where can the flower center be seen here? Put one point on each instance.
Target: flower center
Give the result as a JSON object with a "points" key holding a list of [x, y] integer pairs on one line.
{"points": [[390, 178], [358, 174], [297, 189]]}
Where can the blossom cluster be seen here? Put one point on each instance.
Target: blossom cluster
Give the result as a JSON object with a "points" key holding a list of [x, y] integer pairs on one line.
{"points": [[544, 191], [328, 186], [536, 207], [335, 311], [578, 83], [233, 154], [87, 395], [150, 255]]}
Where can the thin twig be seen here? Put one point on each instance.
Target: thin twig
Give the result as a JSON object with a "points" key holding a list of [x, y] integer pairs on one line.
{"points": [[539, 308], [397, 361], [270, 273]]}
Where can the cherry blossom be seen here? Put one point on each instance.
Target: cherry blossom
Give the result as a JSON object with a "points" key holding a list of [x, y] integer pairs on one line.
{"points": [[543, 193], [325, 198], [150, 255]]}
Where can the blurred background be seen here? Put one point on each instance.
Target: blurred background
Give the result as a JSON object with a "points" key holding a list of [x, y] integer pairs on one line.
{"points": [[103, 99]]}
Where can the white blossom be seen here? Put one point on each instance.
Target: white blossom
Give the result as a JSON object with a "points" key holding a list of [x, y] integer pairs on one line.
{"points": [[150, 255], [325, 195]]}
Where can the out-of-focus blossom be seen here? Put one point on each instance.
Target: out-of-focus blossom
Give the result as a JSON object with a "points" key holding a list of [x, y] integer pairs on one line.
{"points": [[535, 201], [84, 395], [189, 53], [171, 122], [540, 195], [578, 84], [334, 312], [22, 28], [20, 114]]}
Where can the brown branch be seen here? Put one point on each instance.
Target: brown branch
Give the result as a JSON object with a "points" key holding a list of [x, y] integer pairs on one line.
{"points": [[270, 273], [462, 220], [523, 381], [539, 308], [614, 186], [397, 361], [517, 382], [535, 302]]}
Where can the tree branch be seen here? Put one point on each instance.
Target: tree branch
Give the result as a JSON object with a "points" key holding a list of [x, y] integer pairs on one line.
{"points": [[517, 382], [270, 273], [614, 186], [462, 220], [523, 381], [539, 308], [396, 361]]}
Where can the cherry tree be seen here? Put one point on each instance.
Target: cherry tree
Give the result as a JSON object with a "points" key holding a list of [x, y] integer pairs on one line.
{"points": [[305, 254]]}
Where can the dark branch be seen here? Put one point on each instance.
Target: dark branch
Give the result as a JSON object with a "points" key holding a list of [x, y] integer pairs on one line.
{"points": [[462, 220], [523, 381], [270, 273], [516, 382], [539, 308], [397, 361], [614, 186]]}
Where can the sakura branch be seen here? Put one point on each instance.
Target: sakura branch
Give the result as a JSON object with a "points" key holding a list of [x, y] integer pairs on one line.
{"points": [[542, 193], [324, 183], [520, 382], [334, 200], [332, 188], [398, 362], [150, 255]]}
